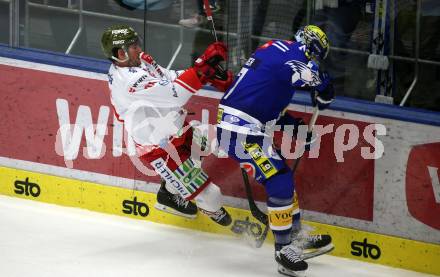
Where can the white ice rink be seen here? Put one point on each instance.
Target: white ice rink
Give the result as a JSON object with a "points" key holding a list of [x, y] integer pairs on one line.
{"points": [[42, 240]]}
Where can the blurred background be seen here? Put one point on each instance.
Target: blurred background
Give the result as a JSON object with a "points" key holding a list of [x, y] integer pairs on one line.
{"points": [[385, 51]]}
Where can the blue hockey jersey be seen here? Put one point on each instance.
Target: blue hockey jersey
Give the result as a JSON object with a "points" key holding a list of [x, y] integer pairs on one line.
{"points": [[265, 85]]}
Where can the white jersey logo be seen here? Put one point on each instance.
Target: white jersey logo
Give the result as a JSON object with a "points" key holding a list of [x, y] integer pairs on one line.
{"points": [[307, 73]]}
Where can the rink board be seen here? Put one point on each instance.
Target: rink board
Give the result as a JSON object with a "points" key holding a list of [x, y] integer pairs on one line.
{"points": [[397, 194], [349, 243]]}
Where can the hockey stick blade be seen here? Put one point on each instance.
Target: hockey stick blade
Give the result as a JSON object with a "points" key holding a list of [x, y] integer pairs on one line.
{"points": [[252, 232], [257, 242]]}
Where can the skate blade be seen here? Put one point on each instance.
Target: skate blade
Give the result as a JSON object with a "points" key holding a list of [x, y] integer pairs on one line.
{"points": [[287, 272], [318, 252], [167, 209]]}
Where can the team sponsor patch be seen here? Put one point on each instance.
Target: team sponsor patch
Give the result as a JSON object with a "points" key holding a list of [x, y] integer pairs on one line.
{"points": [[280, 218], [140, 80], [164, 82], [249, 168], [231, 119], [162, 169], [191, 177], [186, 179], [117, 42], [260, 159], [219, 115], [252, 63], [120, 31], [150, 84]]}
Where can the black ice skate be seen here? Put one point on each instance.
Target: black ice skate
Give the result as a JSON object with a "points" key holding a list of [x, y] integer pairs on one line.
{"points": [[312, 245], [289, 260], [221, 216], [315, 245], [174, 203]]}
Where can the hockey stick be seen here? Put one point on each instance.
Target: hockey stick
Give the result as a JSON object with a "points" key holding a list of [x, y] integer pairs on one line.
{"points": [[255, 211], [145, 24], [209, 17], [309, 133]]}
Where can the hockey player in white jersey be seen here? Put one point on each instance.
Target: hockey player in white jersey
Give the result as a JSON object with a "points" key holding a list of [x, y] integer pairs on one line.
{"points": [[149, 99]]}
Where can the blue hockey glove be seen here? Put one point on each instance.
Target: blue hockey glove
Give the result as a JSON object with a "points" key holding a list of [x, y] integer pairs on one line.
{"points": [[324, 94]]}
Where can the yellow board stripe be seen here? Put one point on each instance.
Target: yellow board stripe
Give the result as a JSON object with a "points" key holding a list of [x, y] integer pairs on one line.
{"points": [[394, 251], [95, 197]]}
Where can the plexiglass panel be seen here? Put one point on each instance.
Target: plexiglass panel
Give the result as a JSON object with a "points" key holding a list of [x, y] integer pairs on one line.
{"points": [[374, 44]]}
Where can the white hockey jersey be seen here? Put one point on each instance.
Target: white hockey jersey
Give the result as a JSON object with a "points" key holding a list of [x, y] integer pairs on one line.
{"points": [[149, 100]]}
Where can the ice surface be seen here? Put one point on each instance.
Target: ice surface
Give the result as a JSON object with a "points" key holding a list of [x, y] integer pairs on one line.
{"points": [[42, 240]]}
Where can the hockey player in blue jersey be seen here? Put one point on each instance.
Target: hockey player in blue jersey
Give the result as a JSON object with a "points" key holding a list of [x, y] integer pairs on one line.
{"points": [[254, 103]]}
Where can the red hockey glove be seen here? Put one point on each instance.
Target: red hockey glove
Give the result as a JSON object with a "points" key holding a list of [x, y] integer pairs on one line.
{"points": [[145, 58], [222, 85], [208, 65]]}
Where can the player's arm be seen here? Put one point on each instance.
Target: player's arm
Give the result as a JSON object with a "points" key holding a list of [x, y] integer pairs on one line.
{"points": [[177, 91], [324, 93], [308, 76], [161, 71], [286, 119], [206, 70], [171, 74], [209, 67]]}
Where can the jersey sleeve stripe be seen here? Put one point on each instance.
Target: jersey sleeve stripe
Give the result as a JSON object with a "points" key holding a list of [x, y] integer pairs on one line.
{"points": [[185, 86], [279, 47], [189, 81], [282, 45]]}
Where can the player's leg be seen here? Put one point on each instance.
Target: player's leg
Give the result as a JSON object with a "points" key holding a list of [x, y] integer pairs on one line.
{"points": [[282, 210], [187, 181], [312, 245], [271, 171], [169, 200], [209, 202], [210, 199]]}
